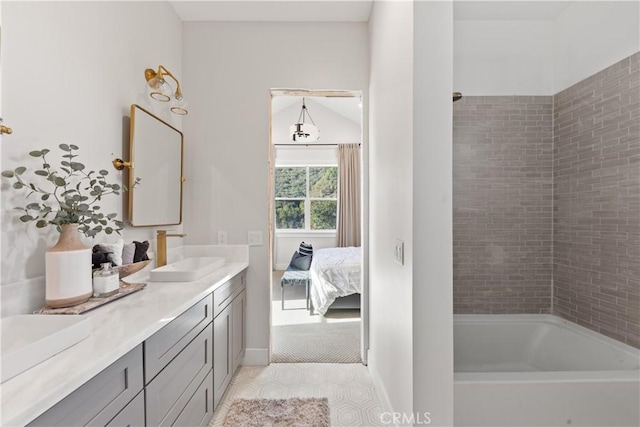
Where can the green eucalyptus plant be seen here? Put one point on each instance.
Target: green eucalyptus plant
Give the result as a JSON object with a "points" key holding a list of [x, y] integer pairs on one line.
{"points": [[68, 194]]}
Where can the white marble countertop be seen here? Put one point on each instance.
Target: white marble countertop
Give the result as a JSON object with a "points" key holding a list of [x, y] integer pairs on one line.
{"points": [[117, 328]]}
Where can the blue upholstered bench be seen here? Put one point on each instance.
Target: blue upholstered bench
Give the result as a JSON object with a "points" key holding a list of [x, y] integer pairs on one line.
{"points": [[295, 277]]}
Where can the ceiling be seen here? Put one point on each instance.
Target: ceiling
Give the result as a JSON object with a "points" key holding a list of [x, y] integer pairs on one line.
{"points": [[350, 11], [354, 10], [348, 107], [274, 11]]}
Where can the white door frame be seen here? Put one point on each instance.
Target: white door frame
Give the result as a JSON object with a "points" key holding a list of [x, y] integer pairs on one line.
{"points": [[364, 299]]}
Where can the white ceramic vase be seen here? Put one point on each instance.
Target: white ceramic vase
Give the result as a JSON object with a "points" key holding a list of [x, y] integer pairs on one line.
{"points": [[68, 270]]}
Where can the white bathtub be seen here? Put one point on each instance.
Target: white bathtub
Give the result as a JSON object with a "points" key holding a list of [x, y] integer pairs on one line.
{"points": [[540, 370]]}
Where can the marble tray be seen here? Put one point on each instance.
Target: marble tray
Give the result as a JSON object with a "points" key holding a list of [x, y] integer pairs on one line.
{"points": [[125, 289]]}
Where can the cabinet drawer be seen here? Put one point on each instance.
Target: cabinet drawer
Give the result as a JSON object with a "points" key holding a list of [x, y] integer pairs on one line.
{"points": [[238, 344], [101, 398], [222, 364], [132, 415], [172, 388], [165, 344], [225, 293], [199, 410]]}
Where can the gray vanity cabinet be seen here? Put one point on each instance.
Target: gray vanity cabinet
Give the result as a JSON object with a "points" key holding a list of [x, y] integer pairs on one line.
{"points": [[104, 399], [181, 354], [164, 345], [176, 377], [221, 355], [229, 308], [238, 328], [199, 409], [132, 415], [171, 391]]}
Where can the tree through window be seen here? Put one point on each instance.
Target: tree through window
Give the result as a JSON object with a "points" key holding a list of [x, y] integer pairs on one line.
{"points": [[306, 197]]}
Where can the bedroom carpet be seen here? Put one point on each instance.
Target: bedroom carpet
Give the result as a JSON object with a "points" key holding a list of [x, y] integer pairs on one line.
{"points": [[278, 412], [317, 343]]}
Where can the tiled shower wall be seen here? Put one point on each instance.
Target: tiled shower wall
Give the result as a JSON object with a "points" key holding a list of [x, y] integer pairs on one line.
{"points": [[502, 204], [547, 199], [596, 242]]}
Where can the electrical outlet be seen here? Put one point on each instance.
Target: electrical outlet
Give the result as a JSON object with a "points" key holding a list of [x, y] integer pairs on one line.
{"points": [[255, 238], [398, 252], [222, 237]]}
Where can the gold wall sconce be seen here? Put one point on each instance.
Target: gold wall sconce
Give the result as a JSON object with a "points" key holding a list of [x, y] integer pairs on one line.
{"points": [[120, 164], [4, 129], [159, 89]]}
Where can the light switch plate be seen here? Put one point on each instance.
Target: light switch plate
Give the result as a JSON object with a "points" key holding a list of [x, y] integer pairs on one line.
{"points": [[255, 238], [398, 252]]}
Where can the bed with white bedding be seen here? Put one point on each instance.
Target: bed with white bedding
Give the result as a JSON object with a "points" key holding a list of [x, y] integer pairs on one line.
{"points": [[334, 273]]}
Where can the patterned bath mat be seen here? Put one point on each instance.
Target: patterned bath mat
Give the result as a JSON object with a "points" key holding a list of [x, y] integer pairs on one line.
{"points": [[310, 412]]}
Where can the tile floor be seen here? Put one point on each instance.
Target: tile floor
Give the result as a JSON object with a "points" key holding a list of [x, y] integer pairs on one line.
{"points": [[352, 397]]}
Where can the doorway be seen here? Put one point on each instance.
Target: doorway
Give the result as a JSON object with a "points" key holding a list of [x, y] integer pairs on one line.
{"points": [[307, 203]]}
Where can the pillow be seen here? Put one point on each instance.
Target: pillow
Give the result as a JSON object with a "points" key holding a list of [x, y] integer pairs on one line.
{"points": [[300, 262], [128, 252], [114, 251], [141, 251], [305, 249]]}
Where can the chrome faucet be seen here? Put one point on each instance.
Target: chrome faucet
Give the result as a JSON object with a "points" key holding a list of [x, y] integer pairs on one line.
{"points": [[161, 246]]}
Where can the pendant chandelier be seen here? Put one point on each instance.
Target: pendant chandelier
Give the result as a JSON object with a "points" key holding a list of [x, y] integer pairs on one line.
{"points": [[304, 132]]}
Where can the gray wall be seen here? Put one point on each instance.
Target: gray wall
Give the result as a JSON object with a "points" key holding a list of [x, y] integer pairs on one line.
{"points": [[597, 202], [547, 203], [502, 204], [229, 68]]}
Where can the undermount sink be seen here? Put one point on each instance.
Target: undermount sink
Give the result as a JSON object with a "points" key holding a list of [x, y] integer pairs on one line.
{"points": [[31, 338], [187, 270]]}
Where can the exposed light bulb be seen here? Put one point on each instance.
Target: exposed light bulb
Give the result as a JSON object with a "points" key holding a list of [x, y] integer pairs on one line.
{"points": [[179, 106], [159, 90]]}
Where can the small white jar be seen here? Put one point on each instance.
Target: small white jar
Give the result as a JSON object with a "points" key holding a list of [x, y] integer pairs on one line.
{"points": [[106, 281]]}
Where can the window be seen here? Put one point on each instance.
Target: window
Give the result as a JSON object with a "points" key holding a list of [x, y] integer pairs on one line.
{"points": [[306, 197]]}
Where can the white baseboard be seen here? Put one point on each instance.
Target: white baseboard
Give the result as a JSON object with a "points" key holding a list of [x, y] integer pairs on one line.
{"points": [[381, 390], [256, 357]]}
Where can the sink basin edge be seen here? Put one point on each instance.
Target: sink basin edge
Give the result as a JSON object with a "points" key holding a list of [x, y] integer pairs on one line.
{"points": [[186, 270], [26, 355]]}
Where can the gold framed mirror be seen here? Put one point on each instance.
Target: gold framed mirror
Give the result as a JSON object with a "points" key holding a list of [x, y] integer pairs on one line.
{"points": [[156, 162]]}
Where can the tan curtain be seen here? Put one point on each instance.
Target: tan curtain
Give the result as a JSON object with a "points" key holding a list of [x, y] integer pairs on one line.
{"points": [[349, 195]]}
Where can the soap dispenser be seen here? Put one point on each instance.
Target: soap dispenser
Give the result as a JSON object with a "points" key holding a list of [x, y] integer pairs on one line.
{"points": [[106, 281]]}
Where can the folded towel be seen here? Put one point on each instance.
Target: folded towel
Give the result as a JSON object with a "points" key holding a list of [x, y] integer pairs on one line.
{"points": [[115, 251], [128, 252]]}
